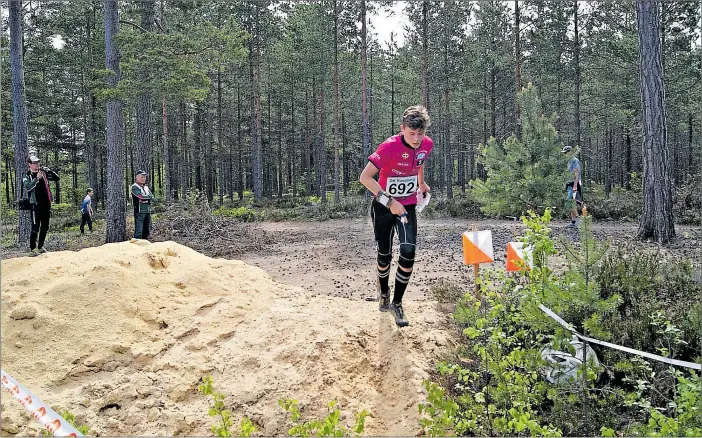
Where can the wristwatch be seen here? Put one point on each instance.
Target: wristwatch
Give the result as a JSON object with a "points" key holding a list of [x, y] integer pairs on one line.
{"points": [[384, 198]]}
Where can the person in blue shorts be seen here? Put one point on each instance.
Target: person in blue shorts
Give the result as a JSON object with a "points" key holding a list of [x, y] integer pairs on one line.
{"points": [[574, 186], [86, 210]]}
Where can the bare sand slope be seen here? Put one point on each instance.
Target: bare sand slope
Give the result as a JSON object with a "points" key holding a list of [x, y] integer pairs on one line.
{"points": [[121, 335]]}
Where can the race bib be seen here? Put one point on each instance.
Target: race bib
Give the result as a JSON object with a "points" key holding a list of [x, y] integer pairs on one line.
{"points": [[401, 186]]}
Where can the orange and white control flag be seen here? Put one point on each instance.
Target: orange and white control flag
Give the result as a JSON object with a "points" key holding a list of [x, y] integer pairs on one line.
{"points": [[477, 247], [516, 251]]}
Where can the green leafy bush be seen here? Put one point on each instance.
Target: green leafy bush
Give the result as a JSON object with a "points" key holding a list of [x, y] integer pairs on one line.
{"points": [[244, 214], [495, 384], [461, 206], [223, 426], [328, 426], [687, 203], [68, 416], [649, 282], [621, 204]]}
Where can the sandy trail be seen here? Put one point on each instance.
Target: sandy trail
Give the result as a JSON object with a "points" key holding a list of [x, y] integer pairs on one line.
{"points": [[122, 333]]}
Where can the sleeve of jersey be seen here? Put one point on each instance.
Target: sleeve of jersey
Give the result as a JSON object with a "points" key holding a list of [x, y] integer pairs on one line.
{"points": [[431, 148], [381, 156]]}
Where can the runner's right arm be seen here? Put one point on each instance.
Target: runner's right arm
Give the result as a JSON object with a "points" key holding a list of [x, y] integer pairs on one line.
{"points": [[371, 184], [367, 179]]}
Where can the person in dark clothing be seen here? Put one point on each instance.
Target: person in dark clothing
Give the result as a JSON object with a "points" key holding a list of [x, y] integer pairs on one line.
{"points": [[141, 199], [36, 183], [86, 210]]}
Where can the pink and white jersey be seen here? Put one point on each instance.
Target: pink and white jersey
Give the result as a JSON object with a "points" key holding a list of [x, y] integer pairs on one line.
{"points": [[399, 166]]}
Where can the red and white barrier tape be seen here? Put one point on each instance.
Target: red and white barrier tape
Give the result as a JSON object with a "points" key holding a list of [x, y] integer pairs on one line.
{"points": [[53, 422]]}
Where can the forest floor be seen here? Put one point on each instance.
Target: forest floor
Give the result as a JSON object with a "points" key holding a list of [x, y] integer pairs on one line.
{"points": [[336, 257], [135, 326]]}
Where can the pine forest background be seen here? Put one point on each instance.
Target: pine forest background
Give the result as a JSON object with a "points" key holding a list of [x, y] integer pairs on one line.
{"points": [[287, 99]]}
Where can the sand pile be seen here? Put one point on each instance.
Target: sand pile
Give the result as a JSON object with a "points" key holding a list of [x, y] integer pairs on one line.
{"points": [[121, 335]]}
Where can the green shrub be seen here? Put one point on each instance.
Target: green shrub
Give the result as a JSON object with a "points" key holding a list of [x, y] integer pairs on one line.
{"points": [[223, 416], [460, 206], [244, 214], [526, 173], [648, 283], [687, 206], [328, 426], [619, 205], [9, 214], [68, 416], [494, 386], [64, 209]]}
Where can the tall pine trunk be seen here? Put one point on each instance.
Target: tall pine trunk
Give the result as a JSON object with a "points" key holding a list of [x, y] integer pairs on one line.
{"points": [[279, 158], [425, 54], [337, 106], [92, 158], [96, 159], [576, 62], [517, 68], [657, 213], [448, 159], [19, 112], [240, 165], [322, 154], [364, 87], [392, 85], [115, 221], [220, 150], [462, 152], [292, 156], [184, 169], [257, 153], [209, 158], [197, 132], [144, 100], [429, 164], [166, 152]]}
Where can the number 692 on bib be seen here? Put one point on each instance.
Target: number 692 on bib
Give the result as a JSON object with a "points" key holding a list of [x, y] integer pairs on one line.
{"points": [[401, 186]]}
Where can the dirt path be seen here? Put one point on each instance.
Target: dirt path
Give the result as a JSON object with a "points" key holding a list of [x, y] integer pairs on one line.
{"points": [[337, 257]]}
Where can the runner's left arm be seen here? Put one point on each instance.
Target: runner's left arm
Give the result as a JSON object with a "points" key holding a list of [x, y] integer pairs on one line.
{"points": [[424, 187]]}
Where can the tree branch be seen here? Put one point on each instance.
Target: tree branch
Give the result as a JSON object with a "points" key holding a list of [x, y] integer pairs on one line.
{"points": [[133, 24], [158, 23], [196, 52]]}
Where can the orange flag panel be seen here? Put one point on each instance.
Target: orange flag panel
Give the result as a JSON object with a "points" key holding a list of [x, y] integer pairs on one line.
{"points": [[477, 247]]}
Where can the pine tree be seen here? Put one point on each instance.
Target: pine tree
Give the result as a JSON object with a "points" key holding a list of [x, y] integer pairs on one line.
{"points": [[526, 174]]}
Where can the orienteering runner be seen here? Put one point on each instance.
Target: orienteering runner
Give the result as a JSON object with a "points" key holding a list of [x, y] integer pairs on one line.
{"points": [[400, 160]]}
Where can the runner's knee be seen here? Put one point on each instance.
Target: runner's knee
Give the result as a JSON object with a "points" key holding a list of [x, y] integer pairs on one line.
{"points": [[406, 260], [384, 260]]}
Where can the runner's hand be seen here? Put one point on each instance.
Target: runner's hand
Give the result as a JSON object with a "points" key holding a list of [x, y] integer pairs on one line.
{"points": [[424, 189], [397, 209]]}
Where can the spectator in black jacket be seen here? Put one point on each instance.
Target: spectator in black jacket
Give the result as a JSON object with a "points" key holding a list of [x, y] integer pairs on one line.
{"points": [[36, 183]]}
